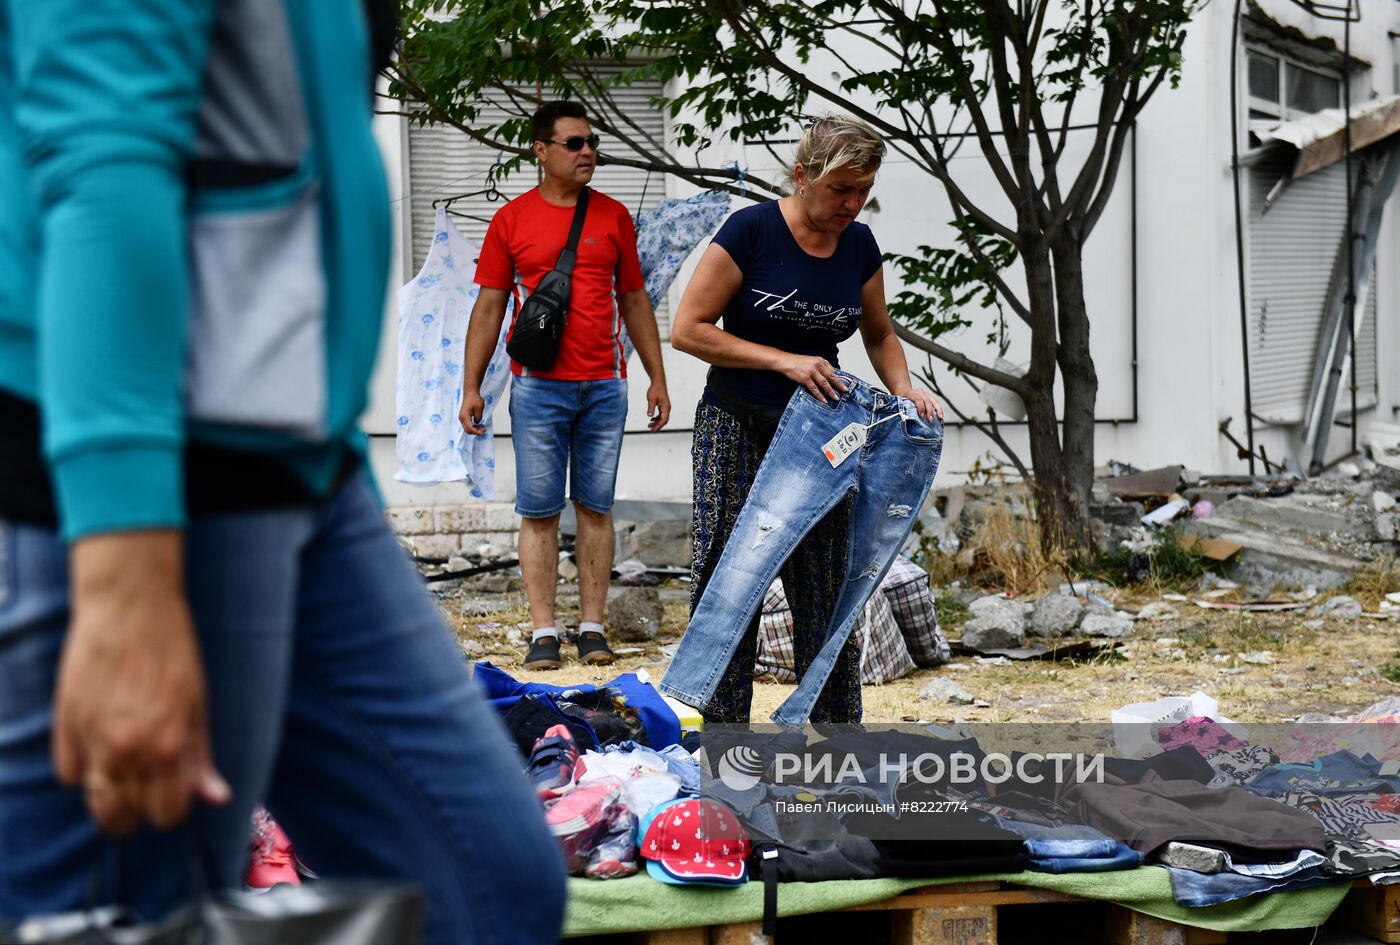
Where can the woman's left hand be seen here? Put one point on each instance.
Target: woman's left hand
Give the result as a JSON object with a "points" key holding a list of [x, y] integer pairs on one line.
{"points": [[928, 406]]}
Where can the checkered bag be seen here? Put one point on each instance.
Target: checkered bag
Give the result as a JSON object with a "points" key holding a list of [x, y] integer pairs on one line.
{"points": [[883, 654], [911, 599], [775, 657]]}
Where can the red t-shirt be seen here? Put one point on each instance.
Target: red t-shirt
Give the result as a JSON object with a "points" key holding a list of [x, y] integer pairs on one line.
{"points": [[523, 243]]}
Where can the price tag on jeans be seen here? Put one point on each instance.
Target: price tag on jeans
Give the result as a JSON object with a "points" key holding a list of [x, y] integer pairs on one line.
{"points": [[839, 448]]}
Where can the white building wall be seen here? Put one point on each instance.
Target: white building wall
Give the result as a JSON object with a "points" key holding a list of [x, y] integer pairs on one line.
{"points": [[1189, 374]]}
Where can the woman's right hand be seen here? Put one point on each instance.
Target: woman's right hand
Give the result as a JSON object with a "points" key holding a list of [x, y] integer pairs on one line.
{"points": [[130, 720], [815, 374]]}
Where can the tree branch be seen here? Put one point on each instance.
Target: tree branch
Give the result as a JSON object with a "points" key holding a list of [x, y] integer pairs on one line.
{"points": [[962, 362]]}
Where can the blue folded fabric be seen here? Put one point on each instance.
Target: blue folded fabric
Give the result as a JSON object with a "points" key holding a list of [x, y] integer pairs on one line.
{"points": [[663, 728], [1190, 888], [1123, 857], [1066, 840]]}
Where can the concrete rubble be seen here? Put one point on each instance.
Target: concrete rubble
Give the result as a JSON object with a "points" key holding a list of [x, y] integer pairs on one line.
{"points": [[1292, 533]]}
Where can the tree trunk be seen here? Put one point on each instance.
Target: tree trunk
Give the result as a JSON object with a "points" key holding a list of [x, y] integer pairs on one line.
{"points": [[1081, 387], [1062, 453]]}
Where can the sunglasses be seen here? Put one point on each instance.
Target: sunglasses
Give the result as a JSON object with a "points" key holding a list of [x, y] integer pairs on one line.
{"points": [[576, 142]]}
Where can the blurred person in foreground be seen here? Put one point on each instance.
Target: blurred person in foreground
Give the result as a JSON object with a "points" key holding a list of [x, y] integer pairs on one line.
{"points": [[201, 606]]}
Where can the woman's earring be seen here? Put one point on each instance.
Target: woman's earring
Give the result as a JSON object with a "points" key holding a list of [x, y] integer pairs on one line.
{"points": [[802, 191]]}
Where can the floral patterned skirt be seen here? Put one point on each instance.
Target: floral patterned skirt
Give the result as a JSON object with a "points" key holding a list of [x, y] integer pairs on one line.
{"points": [[725, 457]]}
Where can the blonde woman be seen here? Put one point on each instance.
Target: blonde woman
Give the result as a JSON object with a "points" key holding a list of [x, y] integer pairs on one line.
{"points": [[779, 287]]}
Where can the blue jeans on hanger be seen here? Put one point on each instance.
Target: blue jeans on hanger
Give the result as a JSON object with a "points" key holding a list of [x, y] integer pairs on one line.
{"points": [[890, 473], [336, 695]]}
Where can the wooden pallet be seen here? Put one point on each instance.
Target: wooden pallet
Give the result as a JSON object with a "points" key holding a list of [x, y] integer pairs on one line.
{"points": [[961, 914], [1374, 911]]}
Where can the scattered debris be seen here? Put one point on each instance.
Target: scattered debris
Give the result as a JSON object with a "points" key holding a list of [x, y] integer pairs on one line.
{"points": [[1157, 610], [1105, 625], [1340, 606], [996, 622], [1055, 615], [1165, 513], [568, 571], [946, 691], [1252, 606], [634, 614], [1215, 549], [1153, 484]]}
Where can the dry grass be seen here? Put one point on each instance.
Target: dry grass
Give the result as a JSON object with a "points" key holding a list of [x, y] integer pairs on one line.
{"points": [[1334, 669], [1377, 579], [1006, 550]]}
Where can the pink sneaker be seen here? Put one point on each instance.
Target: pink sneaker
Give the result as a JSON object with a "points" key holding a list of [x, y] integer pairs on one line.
{"points": [[554, 763], [271, 861]]}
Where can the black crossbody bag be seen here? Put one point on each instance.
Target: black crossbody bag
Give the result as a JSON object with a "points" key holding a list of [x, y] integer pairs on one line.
{"points": [[540, 326]]}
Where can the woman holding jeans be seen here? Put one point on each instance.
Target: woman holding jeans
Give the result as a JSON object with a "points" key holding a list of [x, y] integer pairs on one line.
{"points": [[780, 286]]}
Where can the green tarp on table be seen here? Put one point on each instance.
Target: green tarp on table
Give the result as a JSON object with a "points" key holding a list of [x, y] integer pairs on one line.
{"points": [[640, 903]]}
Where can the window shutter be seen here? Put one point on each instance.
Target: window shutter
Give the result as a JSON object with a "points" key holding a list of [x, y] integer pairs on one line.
{"points": [[1292, 251]]}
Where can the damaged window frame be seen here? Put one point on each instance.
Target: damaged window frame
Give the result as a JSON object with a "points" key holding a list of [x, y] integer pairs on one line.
{"points": [[1265, 112]]}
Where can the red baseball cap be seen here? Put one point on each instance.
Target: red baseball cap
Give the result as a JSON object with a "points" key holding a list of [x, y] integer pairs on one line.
{"points": [[694, 840]]}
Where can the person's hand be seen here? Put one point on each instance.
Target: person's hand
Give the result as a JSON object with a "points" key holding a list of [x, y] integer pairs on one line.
{"points": [[472, 412], [928, 405], [815, 374], [129, 710], [658, 405]]}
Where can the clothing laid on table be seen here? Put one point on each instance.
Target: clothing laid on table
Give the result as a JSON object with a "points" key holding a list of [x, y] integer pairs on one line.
{"points": [[641, 699], [434, 311], [790, 299], [1190, 888], [1205, 735], [1338, 773], [725, 455], [523, 244], [1146, 816], [1234, 768], [890, 458]]}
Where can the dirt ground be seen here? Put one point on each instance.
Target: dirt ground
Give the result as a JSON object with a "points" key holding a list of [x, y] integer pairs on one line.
{"points": [[1298, 663]]}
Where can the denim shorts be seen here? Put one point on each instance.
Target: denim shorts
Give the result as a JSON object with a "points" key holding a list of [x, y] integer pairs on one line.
{"points": [[566, 427]]}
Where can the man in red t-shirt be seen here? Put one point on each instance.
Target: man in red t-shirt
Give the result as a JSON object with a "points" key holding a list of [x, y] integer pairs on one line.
{"points": [[567, 421]]}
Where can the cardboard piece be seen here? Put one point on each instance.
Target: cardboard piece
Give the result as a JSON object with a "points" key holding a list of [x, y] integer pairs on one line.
{"points": [[1216, 549], [1152, 484]]}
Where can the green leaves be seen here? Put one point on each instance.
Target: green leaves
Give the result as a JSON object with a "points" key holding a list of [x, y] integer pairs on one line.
{"points": [[942, 284]]}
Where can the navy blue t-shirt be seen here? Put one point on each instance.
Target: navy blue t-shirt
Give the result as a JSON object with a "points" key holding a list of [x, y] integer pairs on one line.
{"points": [[790, 299]]}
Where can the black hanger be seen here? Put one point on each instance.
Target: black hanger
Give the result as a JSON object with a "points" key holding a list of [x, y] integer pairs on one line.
{"points": [[469, 216], [490, 191]]}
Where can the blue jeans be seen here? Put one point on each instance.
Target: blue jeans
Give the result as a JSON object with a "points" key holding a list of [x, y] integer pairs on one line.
{"points": [[796, 486], [560, 427], [336, 695]]}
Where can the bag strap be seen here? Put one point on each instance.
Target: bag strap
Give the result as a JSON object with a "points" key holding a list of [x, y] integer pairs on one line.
{"points": [[569, 256], [768, 859]]}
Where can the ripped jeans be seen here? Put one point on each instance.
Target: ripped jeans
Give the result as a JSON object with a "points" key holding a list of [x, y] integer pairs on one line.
{"points": [[890, 473]]}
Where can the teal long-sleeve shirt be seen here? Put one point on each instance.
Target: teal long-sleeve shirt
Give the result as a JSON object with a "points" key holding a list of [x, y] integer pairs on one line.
{"points": [[104, 111]]}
